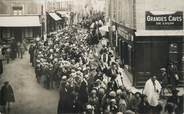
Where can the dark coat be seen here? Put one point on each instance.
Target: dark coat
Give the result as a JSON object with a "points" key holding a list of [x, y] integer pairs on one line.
{"points": [[173, 104], [1, 66], [7, 94], [172, 71], [1, 63], [31, 52], [143, 108], [83, 93], [14, 50], [164, 80], [65, 105]]}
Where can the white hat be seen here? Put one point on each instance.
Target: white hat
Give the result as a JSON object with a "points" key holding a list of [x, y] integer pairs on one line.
{"points": [[119, 92], [89, 107], [129, 112], [163, 69], [51, 50], [94, 91], [64, 77], [112, 94], [113, 100]]}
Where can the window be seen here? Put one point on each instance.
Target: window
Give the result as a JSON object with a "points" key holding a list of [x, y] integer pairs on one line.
{"points": [[17, 10], [173, 48], [28, 33], [6, 33]]}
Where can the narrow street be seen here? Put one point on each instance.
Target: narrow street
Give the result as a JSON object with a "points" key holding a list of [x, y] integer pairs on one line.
{"points": [[30, 97]]}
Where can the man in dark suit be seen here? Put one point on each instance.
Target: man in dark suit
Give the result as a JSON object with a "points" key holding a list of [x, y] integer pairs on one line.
{"points": [[172, 72], [7, 96]]}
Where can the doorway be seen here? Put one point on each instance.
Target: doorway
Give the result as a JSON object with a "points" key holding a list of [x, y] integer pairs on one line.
{"points": [[18, 34]]}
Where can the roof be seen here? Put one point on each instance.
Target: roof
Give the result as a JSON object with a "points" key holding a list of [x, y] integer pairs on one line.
{"points": [[20, 21], [55, 16], [160, 33]]}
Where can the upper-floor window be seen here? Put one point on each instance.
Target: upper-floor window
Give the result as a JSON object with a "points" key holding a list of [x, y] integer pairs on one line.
{"points": [[17, 10]]}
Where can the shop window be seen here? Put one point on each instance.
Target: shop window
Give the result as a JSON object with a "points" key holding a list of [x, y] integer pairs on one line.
{"points": [[6, 33], [129, 55], [173, 48], [28, 32]]}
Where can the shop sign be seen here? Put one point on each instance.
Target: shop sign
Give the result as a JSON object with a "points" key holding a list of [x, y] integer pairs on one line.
{"points": [[164, 21], [125, 34]]}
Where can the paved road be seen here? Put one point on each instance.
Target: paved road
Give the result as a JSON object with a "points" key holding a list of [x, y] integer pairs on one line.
{"points": [[30, 97]]}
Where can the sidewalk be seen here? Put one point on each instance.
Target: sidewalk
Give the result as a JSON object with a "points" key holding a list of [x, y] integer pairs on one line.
{"points": [[128, 80]]}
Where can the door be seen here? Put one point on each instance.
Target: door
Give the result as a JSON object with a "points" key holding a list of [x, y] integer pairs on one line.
{"points": [[18, 35]]}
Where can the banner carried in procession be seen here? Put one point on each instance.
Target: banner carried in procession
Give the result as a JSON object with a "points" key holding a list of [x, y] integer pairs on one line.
{"points": [[159, 20]]}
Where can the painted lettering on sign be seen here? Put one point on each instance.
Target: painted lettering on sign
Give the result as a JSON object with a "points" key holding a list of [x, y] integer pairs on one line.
{"points": [[162, 21]]}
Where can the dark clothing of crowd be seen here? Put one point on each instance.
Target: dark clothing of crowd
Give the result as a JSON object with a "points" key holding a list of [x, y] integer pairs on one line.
{"points": [[88, 81]]}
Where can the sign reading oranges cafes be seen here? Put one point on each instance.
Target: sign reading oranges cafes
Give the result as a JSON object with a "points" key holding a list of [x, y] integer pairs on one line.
{"points": [[159, 20]]}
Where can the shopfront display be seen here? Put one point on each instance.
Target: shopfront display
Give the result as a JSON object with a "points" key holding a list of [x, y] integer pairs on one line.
{"points": [[124, 42]]}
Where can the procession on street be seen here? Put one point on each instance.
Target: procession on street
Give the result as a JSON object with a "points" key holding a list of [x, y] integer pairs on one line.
{"points": [[91, 57]]}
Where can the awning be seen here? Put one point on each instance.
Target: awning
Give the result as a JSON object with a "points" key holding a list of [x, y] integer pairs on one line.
{"points": [[63, 13], [55, 16], [19, 21], [160, 33]]}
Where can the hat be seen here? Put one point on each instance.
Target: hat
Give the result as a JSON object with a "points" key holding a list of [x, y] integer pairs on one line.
{"points": [[129, 112], [113, 100], [98, 81], [138, 93], [64, 77], [163, 69], [89, 107], [6, 82], [101, 90], [112, 94], [175, 91], [119, 112], [119, 92], [86, 76], [93, 91]]}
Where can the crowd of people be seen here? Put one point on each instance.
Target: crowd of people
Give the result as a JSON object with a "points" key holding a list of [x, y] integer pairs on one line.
{"points": [[15, 49], [90, 80], [93, 23]]}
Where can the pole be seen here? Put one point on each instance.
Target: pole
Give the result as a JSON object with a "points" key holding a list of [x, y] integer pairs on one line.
{"points": [[110, 26], [110, 34], [60, 5], [42, 22], [45, 14]]}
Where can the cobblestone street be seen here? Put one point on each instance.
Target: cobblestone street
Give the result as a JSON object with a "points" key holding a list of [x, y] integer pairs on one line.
{"points": [[30, 97]]}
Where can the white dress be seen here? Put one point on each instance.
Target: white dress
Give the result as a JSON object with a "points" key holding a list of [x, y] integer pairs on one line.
{"points": [[152, 92]]}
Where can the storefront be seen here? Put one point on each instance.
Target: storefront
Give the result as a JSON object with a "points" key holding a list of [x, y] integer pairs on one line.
{"points": [[19, 28], [160, 43], [54, 22], [64, 15], [124, 45]]}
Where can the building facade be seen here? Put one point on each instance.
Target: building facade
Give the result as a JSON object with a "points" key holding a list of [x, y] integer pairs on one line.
{"points": [[20, 7], [16, 20], [149, 35]]}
